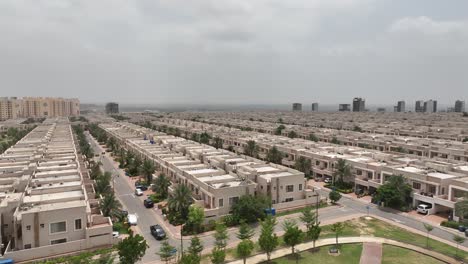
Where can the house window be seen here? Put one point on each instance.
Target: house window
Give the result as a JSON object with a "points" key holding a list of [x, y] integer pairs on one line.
{"points": [[58, 227], [289, 188], [42, 225], [273, 201], [358, 172], [78, 224], [221, 202], [416, 185], [27, 246], [369, 174], [300, 187], [28, 227], [233, 200], [317, 163], [289, 200], [58, 241]]}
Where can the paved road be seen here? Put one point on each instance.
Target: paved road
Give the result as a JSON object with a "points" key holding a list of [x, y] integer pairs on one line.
{"points": [[147, 217]]}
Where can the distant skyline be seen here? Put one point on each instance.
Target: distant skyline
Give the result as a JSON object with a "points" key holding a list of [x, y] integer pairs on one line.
{"points": [[235, 51]]}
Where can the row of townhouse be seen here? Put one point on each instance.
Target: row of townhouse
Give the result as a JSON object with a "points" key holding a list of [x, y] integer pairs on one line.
{"points": [[217, 178], [450, 126], [48, 206], [439, 182], [415, 146]]}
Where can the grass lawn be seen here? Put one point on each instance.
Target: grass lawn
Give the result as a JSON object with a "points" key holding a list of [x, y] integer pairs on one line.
{"points": [[350, 254], [299, 210], [397, 255]]}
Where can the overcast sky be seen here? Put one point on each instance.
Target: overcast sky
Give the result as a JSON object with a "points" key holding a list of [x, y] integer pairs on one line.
{"points": [[235, 51]]}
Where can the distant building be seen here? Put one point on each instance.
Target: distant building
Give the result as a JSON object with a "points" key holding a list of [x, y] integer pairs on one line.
{"points": [[430, 106], [297, 107], [459, 106], [344, 107], [36, 107], [112, 108], [359, 104], [400, 107], [315, 107], [419, 107], [381, 109]]}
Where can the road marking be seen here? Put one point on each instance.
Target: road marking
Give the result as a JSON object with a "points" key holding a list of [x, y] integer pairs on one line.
{"points": [[396, 220], [127, 194]]}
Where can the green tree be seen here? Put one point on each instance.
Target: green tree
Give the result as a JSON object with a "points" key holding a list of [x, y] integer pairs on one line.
{"points": [[357, 129], [196, 215], [221, 235], [95, 171], [459, 240], [250, 208], [245, 231], [102, 183], [395, 192], [274, 155], [205, 138], [245, 249], [109, 205], [337, 228], [251, 149], [279, 130], [179, 201], [342, 172], [314, 233], [161, 186], [303, 164], [268, 240], [217, 142], [196, 246], [334, 196], [147, 170], [292, 134], [428, 228], [218, 255], [313, 137], [166, 251], [461, 209], [293, 235], [309, 218], [132, 249]]}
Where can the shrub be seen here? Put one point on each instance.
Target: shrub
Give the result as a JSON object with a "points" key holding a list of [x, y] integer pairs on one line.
{"points": [[450, 224], [230, 220]]}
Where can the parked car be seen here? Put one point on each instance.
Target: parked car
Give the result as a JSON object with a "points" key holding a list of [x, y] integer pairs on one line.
{"points": [[466, 233], [138, 192], [423, 208], [148, 203], [158, 232], [124, 212], [142, 187], [115, 234], [132, 219], [327, 180]]}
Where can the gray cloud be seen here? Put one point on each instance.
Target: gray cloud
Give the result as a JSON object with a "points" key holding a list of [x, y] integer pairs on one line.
{"points": [[234, 51]]}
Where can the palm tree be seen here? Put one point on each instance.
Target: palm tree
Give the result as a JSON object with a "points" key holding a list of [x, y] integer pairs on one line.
{"points": [[109, 205], [303, 164], [274, 155], [147, 169], [251, 149], [102, 185], [161, 186], [217, 142], [343, 171], [180, 200]]}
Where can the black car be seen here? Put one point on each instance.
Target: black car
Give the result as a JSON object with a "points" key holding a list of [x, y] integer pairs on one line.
{"points": [[148, 203], [158, 232]]}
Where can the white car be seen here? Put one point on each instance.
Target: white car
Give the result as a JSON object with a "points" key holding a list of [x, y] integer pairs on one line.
{"points": [[423, 208], [138, 192], [132, 219], [115, 234]]}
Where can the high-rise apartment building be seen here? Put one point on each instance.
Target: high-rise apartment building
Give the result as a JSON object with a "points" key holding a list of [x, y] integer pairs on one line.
{"points": [[459, 106], [419, 107], [359, 104], [344, 107], [12, 107], [297, 107], [430, 106], [400, 107], [315, 107], [112, 108]]}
